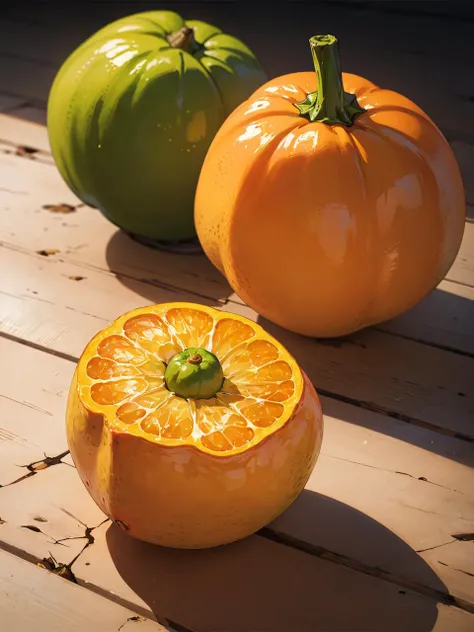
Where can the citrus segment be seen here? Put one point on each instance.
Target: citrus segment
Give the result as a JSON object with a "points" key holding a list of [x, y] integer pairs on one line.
{"points": [[192, 327], [172, 420], [120, 349], [152, 334], [228, 334], [130, 412], [104, 369], [106, 393], [153, 397], [131, 373], [260, 413]]}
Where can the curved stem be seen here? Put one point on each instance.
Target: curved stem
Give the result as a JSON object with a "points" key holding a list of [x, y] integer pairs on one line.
{"points": [[329, 104]]}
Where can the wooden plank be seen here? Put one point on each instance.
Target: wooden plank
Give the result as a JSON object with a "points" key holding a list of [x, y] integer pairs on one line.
{"points": [[34, 599], [400, 491], [464, 153], [26, 438], [42, 45], [444, 93], [19, 132], [44, 305], [445, 318], [87, 238], [24, 200], [29, 113], [279, 589], [278, 586], [8, 103], [26, 78], [134, 260], [462, 271]]}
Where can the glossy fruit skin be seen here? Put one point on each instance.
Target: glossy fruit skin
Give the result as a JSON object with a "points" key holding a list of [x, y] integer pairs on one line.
{"points": [[327, 229], [130, 119], [184, 498], [201, 380]]}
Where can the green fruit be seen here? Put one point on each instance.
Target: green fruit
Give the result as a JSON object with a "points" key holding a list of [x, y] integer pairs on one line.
{"points": [[194, 373], [133, 110]]}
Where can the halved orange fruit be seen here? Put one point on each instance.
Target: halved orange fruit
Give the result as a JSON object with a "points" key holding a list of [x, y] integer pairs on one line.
{"points": [[191, 427]]}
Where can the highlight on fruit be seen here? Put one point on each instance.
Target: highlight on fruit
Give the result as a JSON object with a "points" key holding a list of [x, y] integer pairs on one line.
{"points": [[330, 203], [191, 426], [132, 112]]}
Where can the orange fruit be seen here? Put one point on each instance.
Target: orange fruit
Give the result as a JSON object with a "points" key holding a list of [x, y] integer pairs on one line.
{"points": [[191, 427]]}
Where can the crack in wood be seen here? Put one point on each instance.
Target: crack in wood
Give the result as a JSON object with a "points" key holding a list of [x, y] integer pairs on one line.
{"points": [[134, 618], [59, 208], [171, 625], [463, 537], [13, 191], [24, 151], [459, 570], [361, 567], [36, 529], [437, 546], [47, 252], [27, 404], [383, 469], [65, 570], [38, 466], [38, 347], [37, 155]]}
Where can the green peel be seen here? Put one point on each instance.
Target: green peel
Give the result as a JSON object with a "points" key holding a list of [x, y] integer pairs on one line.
{"points": [[194, 374]]}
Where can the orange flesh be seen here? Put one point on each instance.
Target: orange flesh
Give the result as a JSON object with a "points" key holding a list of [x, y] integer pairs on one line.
{"points": [[121, 375]]}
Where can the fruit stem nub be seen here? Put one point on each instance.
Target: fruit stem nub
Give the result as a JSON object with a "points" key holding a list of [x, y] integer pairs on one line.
{"points": [[184, 39], [195, 359]]}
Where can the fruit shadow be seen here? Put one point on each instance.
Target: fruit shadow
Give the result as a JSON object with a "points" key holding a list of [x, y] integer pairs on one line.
{"points": [[355, 376], [148, 270], [281, 579]]}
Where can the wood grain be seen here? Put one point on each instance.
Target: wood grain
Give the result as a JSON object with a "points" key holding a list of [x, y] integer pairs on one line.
{"points": [[277, 586], [381, 538], [42, 304], [396, 489], [279, 589], [41, 185], [34, 600]]}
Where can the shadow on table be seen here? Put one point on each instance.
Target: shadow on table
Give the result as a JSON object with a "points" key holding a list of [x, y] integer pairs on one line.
{"points": [[355, 369], [193, 272], [258, 585]]}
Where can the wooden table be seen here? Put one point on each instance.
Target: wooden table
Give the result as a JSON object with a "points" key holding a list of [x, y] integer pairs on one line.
{"points": [[381, 539]]}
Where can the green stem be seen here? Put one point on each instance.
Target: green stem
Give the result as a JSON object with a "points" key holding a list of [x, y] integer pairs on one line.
{"points": [[329, 104]]}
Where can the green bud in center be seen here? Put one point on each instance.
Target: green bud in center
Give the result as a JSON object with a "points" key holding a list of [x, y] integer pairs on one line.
{"points": [[194, 374]]}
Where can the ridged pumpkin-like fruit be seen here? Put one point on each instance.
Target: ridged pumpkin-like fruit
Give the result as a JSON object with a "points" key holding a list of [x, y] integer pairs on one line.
{"points": [[191, 427], [132, 112], [329, 203]]}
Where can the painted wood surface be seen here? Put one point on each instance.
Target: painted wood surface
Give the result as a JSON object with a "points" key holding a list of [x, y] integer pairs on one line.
{"points": [[33, 600], [382, 536]]}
